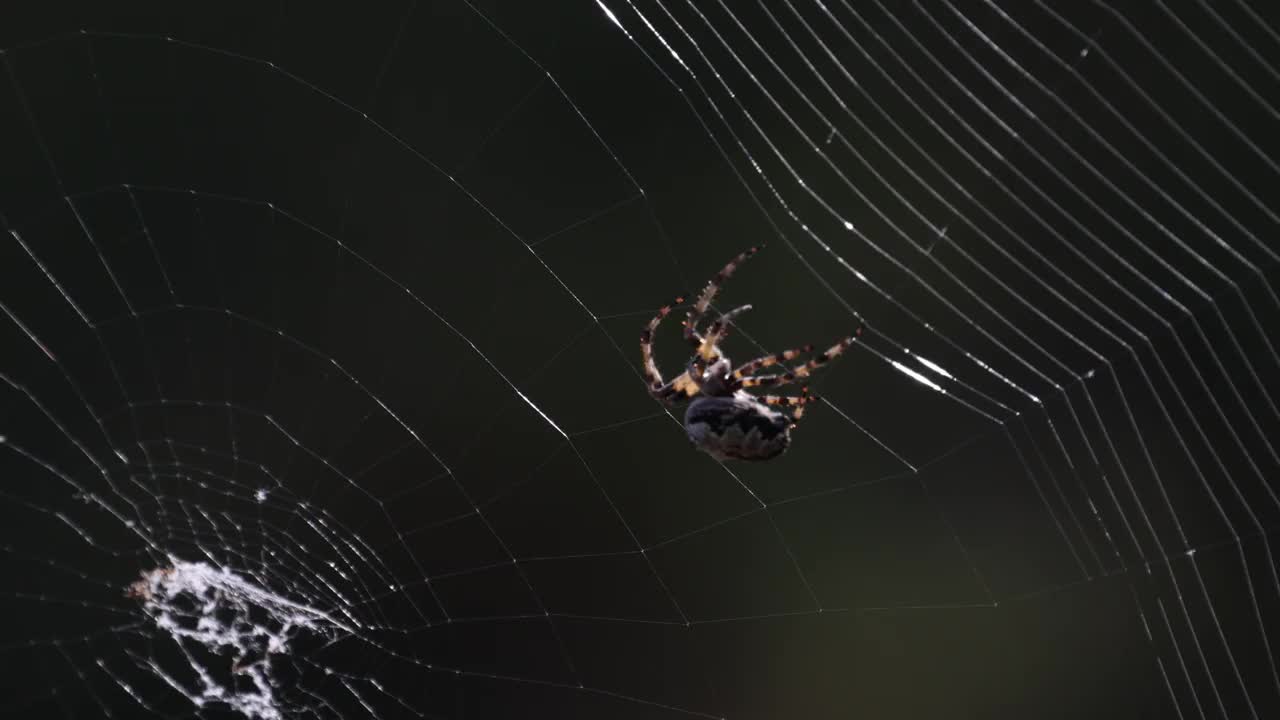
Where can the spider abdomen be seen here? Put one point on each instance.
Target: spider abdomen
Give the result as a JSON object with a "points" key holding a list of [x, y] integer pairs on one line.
{"points": [[737, 427]]}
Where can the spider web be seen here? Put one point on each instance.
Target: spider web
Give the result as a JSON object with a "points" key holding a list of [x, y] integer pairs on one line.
{"points": [[321, 393]]}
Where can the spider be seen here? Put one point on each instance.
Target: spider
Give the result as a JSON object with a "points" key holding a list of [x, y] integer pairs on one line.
{"points": [[723, 419]]}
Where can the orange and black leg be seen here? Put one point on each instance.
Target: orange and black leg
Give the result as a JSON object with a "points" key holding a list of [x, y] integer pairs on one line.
{"points": [[760, 363], [792, 405], [652, 375], [708, 294], [798, 372]]}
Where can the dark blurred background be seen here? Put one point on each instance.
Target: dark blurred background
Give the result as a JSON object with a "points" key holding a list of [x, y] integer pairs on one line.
{"points": [[345, 298]]}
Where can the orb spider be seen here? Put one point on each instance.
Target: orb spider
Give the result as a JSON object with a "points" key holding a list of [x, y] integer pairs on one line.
{"points": [[723, 419]]}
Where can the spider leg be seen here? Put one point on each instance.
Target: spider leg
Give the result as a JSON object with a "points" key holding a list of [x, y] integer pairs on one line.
{"points": [[827, 356], [650, 367], [789, 401], [798, 372], [794, 405], [682, 388], [766, 380], [765, 361], [708, 294]]}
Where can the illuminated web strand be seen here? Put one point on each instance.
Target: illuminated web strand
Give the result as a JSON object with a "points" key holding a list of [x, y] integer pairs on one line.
{"points": [[1156, 256], [1097, 50], [48, 157], [922, 46], [1049, 228], [902, 199], [1173, 515], [1222, 514]]}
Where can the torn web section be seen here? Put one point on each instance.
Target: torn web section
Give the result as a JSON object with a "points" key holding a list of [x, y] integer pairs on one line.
{"points": [[214, 610]]}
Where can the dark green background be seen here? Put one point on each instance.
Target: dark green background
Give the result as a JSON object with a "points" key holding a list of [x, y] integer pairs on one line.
{"points": [[372, 219]]}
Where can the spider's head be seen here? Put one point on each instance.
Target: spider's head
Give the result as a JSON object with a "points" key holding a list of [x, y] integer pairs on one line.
{"points": [[715, 379]]}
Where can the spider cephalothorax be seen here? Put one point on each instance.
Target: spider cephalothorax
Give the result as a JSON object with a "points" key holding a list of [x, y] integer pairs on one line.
{"points": [[723, 419]]}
